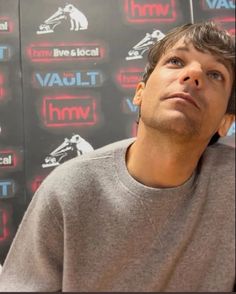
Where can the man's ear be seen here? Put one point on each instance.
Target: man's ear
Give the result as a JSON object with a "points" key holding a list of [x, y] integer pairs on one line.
{"points": [[138, 94], [225, 124]]}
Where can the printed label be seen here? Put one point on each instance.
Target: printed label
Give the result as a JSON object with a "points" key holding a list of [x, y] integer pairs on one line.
{"points": [[150, 11], [69, 111]]}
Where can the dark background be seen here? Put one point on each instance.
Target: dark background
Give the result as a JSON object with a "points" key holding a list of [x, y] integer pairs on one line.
{"points": [[113, 26]]}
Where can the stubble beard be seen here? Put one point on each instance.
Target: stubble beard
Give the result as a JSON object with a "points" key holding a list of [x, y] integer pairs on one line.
{"points": [[180, 129]]}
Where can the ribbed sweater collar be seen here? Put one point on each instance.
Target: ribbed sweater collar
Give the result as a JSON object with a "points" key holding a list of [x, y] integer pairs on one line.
{"points": [[138, 188]]}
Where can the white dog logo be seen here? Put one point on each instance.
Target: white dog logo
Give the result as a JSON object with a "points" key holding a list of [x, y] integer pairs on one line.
{"points": [[75, 146], [78, 21], [139, 49]]}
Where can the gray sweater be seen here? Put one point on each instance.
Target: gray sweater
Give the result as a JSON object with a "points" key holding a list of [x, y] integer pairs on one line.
{"points": [[92, 227]]}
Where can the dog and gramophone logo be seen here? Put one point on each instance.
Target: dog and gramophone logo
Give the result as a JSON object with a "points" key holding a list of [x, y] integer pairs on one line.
{"points": [[144, 45], [69, 148], [68, 16]]}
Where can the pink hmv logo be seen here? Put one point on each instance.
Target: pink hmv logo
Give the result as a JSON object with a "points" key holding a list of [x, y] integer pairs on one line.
{"points": [[141, 11], [2, 90], [66, 111], [129, 77]]}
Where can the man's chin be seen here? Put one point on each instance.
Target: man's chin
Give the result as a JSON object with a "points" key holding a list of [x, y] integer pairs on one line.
{"points": [[180, 127]]}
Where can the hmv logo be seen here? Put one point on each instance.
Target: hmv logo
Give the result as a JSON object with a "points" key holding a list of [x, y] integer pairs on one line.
{"points": [[142, 46], [69, 111], [7, 189], [129, 78], [2, 90], [218, 4], [64, 52], [77, 19], [150, 10], [6, 159], [80, 79]]}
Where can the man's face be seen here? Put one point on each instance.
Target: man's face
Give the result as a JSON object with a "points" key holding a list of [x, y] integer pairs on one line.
{"points": [[186, 94]]}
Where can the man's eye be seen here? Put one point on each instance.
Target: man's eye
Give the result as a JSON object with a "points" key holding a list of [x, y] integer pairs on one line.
{"points": [[215, 75], [175, 61]]}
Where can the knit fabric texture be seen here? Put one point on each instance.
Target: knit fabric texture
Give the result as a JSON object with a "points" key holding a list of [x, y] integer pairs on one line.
{"points": [[92, 227]]}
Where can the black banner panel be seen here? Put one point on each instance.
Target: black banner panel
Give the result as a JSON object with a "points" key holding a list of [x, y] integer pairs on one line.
{"points": [[220, 11], [11, 125], [68, 73], [81, 63]]}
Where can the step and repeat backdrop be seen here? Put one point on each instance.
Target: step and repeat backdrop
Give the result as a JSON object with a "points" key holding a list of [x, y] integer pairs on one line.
{"points": [[68, 71]]}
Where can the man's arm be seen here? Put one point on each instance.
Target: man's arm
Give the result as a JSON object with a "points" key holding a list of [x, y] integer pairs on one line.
{"points": [[34, 262]]}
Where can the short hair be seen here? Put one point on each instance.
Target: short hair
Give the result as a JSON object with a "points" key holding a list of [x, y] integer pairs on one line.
{"points": [[205, 36]]}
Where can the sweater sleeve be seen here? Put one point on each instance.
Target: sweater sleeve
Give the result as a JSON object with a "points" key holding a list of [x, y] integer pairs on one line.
{"points": [[34, 261]]}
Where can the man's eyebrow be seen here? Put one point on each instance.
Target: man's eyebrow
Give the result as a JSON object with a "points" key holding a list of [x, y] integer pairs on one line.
{"points": [[182, 48], [224, 63]]}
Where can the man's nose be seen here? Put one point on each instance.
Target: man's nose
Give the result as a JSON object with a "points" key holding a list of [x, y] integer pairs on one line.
{"points": [[192, 76]]}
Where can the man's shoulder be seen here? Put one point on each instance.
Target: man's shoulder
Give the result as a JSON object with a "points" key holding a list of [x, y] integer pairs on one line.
{"points": [[91, 162], [226, 152], [99, 154], [220, 157], [228, 140], [109, 148]]}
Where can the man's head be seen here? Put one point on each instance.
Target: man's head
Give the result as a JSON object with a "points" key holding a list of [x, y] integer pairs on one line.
{"points": [[202, 50]]}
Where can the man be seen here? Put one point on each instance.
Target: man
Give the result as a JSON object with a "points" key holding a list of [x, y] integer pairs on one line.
{"points": [[155, 213]]}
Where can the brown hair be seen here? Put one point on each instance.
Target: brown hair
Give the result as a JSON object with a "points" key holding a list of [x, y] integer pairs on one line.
{"points": [[205, 36]]}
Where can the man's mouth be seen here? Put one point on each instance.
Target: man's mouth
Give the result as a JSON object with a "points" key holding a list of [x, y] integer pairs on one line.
{"points": [[185, 97]]}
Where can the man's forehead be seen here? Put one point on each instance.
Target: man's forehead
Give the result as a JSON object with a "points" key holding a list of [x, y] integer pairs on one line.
{"points": [[185, 46]]}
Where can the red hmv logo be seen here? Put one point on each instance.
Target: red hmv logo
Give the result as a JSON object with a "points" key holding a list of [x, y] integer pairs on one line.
{"points": [[2, 90], [150, 10], [129, 77], [66, 111]]}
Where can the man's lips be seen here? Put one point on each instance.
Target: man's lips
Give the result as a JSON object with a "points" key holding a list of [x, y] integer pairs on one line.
{"points": [[184, 96]]}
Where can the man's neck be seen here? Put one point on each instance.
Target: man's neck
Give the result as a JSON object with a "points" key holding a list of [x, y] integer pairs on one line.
{"points": [[162, 164]]}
